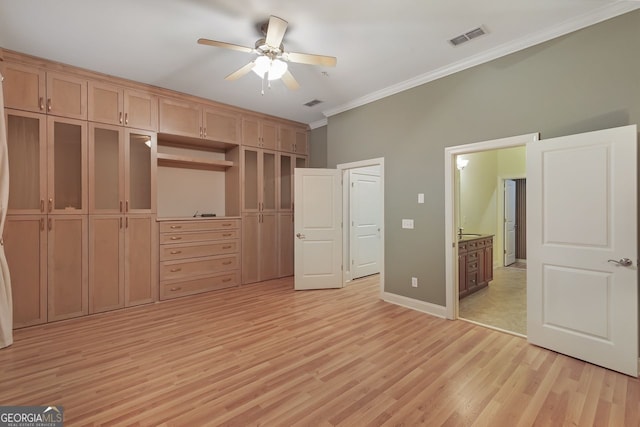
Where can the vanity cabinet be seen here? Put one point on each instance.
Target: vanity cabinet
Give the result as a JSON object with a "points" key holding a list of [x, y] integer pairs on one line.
{"points": [[475, 264]]}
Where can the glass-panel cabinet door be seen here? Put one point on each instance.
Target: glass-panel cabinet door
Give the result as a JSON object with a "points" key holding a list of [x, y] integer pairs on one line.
{"points": [[140, 171], [285, 183], [106, 169], [67, 166], [250, 197], [268, 181], [27, 150]]}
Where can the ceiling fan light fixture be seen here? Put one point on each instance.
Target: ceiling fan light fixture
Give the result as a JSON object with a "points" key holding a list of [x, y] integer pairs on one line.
{"points": [[275, 68]]}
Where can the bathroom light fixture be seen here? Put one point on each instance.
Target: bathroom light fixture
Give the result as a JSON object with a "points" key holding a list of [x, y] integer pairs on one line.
{"points": [[461, 163]]}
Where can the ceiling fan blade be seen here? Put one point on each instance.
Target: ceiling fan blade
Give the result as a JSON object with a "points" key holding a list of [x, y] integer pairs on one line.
{"points": [[289, 81], [307, 58], [241, 72], [225, 45], [275, 31]]}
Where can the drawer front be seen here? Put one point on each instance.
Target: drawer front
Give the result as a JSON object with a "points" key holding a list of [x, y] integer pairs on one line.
{"points": [[171, 270], [176, 226], [472, 256], [193, 250], [472, 280], [197, 236], [191, 287], [472, 266], [462, 247], [472, 245]]}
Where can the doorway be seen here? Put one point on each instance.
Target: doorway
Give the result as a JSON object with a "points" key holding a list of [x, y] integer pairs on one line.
{"points": [[482, 214]]}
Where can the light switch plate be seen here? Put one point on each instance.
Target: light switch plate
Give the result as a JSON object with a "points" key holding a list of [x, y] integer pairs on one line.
{"points": [[407, 223], [420, 197]]}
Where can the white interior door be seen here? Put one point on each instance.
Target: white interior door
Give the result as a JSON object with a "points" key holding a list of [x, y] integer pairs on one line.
{"points": [[318, 228], [582, 299], [364, 197], [509, 222]]}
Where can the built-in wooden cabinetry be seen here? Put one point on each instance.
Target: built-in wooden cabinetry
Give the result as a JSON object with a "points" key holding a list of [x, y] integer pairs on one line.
{"points": [[82, 234], [475, 264], [198, 255]]}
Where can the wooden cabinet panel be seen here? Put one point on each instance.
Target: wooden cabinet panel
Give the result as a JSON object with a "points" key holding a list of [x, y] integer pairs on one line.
{"points": [[259, 247], [202, 225], [268, 247], [24, 87], [196, 286], [259, 180], [197, 236], [106, 169], [27, 151], [171, 270], [141, 260], [292, 140], [25, 245], [66, 96], [221, 126], [106, 260], [140, 166], [269, 132], [105, 103], [301, 142], [285, 244], [193, 250], [259, 133], [67, 166], [67, 267], [180, 118], [488, 262], [140, 110]]}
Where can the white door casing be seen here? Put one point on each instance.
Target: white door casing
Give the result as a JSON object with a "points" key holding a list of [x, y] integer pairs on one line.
{"points": [[509, 222], [318, 228], [582, 212], [365, 224]]}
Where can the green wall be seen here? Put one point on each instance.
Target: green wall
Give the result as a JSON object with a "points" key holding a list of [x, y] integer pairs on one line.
{"points": [[318, 148], [585, 81]]}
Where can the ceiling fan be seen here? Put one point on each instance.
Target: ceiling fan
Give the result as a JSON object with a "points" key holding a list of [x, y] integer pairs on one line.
{"points": [[271, 62]]}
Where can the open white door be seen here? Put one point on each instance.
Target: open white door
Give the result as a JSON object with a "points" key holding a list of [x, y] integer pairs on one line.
{"points": [[582, 278], [318, 228], [364, 194], [509, 222]]}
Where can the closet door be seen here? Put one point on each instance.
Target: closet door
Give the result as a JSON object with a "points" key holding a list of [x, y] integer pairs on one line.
{"points": [[106, 169]]}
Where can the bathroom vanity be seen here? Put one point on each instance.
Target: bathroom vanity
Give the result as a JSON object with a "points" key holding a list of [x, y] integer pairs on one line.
{"points": [[475, 262]]}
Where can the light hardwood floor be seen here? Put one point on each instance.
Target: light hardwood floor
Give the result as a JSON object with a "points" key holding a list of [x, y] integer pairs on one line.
{"points": [[267, 355]]}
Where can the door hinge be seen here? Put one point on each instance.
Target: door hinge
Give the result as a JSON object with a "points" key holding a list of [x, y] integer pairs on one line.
{"points": [[341, 268], [353, 262], [352, 185], [505, 251]]}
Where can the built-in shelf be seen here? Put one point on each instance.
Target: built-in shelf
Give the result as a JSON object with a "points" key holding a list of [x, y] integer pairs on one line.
{"points": [[190, 162]]}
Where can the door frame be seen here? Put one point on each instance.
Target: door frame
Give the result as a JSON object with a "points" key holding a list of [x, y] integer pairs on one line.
{"points": [[451, 207], [344, 167]]}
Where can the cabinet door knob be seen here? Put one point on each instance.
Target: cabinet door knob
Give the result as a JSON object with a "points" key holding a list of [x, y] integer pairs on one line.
{"points": [[226, 235], [176, 238], [120, 117], [49, 104], [226, 247], [175, 270], [227, 262], [41, 102], [228, 279], [175, 252], [176, 226], [126, 118], [177, 288], [50, 205]]}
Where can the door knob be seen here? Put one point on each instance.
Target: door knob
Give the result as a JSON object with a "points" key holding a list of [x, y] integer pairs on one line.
{"points": [[300, 236], [623, 262]]}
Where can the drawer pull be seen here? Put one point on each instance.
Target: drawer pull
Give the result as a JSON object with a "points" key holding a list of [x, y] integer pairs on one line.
{"points": [[228, 279], [177, 288], [226, 234], [176, 238], [176, 226], [227, 225], [227, 262], [226, 247], [175, 252], [175, 270]]}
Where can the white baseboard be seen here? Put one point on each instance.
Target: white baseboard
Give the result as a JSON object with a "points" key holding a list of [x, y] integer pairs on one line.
{"points": [[414, 304]]}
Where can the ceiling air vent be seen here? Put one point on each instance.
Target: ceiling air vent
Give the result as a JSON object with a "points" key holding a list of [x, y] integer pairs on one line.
{"points": [[312, 103], [463, 38]]}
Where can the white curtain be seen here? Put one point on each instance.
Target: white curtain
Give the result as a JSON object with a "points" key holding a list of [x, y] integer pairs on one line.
{"points": [[6, 305]]}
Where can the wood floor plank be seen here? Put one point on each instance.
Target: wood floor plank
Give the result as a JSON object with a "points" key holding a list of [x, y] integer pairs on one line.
{"points": [[265, 354]]}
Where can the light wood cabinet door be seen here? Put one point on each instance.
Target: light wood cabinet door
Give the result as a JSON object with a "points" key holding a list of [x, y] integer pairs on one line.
{"points": [[250, 248], [140, 171], [106, 169], [66, 96], [285, 244], [106, 263], [221, 126], [259, 180], [106, 103], [27, 151], [301, 145], [285, 182], [141, 260], [67, 166], [268, 246], [25, 246], [287, 139], [140, 110], [269, 134], [251, 132], [24, 87], [180, 118], [67, 274]]}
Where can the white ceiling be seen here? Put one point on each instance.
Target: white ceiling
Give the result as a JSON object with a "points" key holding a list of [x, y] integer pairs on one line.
{"points": [[382, 46]]}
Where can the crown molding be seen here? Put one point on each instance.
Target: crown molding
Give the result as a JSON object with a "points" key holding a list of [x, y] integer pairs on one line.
{"points": [[595, 16], [320, 123]]}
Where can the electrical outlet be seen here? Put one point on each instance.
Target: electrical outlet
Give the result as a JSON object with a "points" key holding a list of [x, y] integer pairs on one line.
{"points": [[407, 223], [414, 282]]}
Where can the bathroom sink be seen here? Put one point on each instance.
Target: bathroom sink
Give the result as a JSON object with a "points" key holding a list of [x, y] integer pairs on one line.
{"points": [[463, 235]]}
